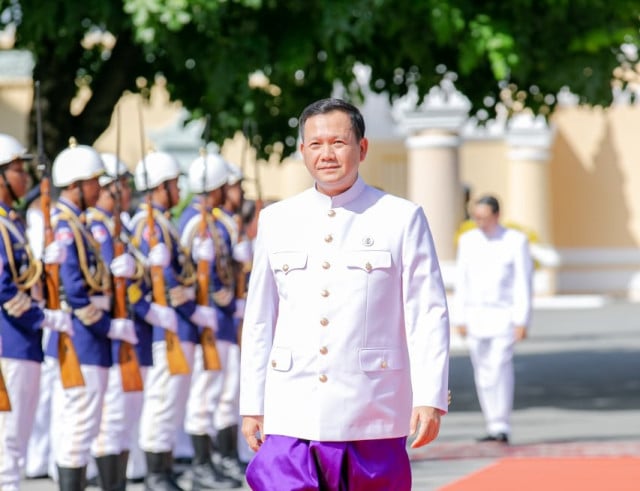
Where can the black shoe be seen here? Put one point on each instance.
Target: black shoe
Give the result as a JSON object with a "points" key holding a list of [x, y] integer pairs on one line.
{"points": [[498, 438]]}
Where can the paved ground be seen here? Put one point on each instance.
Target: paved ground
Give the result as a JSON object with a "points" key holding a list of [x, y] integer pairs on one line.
{"points": [[577, 394]]}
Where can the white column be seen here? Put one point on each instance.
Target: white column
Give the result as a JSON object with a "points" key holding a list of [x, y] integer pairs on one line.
{"points": [[529, 141], [433, 163]]}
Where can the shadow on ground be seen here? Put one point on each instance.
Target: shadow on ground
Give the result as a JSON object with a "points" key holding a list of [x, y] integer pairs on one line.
{"points": [[583, 380]]}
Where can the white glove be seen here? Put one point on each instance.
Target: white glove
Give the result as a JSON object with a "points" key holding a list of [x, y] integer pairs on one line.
{"points": [[123, 266], [58, 320], [123, 329], [55, 253], [205, 316], [242, 252], [159, 255], [161, 316], [240, 305], [203, 249]]}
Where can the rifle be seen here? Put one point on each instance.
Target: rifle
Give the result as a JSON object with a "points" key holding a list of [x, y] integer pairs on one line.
{"points": [[127, 357], [67, 357], [176, 360], [210, 356]]}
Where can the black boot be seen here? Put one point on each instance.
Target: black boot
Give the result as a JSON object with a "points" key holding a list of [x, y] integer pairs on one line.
{"points": [[123, 461], [159, 476], [72, 478], [225, 459], [109, 478], [205, 476]]}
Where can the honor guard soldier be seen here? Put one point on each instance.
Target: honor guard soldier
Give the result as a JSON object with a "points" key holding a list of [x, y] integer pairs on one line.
{"points": [[226, 417], [122, 407], [167, 383], [201, 235], [119, 428], [84, 283], [21, 319]]}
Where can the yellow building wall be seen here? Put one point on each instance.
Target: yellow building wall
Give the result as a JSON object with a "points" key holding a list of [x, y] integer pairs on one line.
{"points": [[595, 178]]}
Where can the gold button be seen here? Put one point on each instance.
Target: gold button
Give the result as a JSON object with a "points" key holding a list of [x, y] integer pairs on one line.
{"points": [[273, 363], [326, 265], [324, 293], [368, 267], [324, 321], [323, 378], [285, 267], [328, 238], [324, 350], [383, 364], [331, 213]]}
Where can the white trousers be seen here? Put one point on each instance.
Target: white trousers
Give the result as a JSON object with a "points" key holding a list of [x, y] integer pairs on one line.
{"points": [[227, 411], [137, 465], [77, 413], [20, 376], [120, 416], [207, 390], [39, 458], [165, 400], [492, 360]]}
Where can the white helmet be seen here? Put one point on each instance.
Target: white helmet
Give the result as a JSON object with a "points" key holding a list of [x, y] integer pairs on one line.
{"points": [[114, 168], [235, 174], [11, 149], [154, 169], [76, 163], [216, 174]]}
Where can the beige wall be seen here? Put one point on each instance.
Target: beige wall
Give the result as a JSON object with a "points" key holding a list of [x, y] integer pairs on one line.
{"points": [[595, 178], [16, 97]]}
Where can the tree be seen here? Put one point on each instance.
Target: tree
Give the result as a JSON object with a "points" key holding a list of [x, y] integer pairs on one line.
{"points": [[293, 52]]}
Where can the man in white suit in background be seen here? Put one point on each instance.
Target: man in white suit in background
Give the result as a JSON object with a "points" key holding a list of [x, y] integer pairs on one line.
{"points": [[492, 309], [345, 345]]}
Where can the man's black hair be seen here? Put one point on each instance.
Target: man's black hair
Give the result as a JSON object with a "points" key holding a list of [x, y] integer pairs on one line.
{"points": [[324, 106], [491, 201]]}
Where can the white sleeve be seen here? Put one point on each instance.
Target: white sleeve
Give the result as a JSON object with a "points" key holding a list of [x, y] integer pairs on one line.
{"points": [[426, 315]]}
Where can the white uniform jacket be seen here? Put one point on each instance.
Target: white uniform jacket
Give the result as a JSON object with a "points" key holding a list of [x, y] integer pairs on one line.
{"points": [[346, 325], [493, 282]]}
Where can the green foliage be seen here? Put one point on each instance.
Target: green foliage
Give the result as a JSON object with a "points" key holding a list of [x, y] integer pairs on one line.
{"points": [[208, 49]]}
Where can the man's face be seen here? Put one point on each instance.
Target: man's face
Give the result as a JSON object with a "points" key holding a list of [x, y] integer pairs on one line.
{"points": [[484, 217], [331, 152], [90, 191], [215, 197], [123, 189], [17, 177], [234, 195], [173, 194]]}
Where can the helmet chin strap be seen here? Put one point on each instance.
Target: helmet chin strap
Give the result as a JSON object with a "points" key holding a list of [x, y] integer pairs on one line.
{"points": [[8, 186]]}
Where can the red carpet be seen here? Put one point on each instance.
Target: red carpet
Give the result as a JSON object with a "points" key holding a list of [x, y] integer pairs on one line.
{"points": [[554, 474]]}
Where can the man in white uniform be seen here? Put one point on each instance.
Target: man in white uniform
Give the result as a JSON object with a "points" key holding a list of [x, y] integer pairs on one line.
{"points": [[346, 332], [493, 309]]}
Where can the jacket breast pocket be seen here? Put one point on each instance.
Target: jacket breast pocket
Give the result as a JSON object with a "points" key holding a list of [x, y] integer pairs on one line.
{"points": [[367, 260], [281, 359], [287, 262], [380, 359], [287, 268]]}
